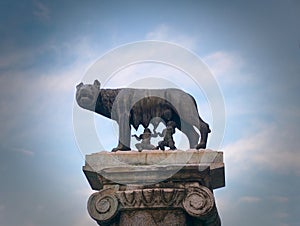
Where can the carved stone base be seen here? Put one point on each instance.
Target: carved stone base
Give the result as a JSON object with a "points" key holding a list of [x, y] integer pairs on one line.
{"points": [[151, 196], [153, 217]]}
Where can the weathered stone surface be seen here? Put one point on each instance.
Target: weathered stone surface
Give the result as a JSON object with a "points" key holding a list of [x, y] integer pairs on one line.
{"points": [[199, 201], [175, 191], [150, 167], [151, 198], [153, 218], [103, 205], [104, 159]]}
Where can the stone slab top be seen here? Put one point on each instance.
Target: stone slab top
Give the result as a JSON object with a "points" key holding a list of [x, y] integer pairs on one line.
{"points": [[103, 159], [153, 166]]}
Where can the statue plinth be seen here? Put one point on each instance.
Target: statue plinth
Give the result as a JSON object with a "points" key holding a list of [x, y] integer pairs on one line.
{"points": [[155, 187]]}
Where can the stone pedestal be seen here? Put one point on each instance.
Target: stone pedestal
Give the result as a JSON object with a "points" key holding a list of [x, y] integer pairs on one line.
{"points": [[155, 187]]}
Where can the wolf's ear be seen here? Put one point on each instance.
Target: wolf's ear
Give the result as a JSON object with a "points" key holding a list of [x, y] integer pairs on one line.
{"points": [[97, 84], [79, 85]]}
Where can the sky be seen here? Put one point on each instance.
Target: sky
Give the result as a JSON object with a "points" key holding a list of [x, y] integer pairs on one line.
{"points": [[252, 49]]}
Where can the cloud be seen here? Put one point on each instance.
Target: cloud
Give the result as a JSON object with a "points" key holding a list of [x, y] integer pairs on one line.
{"points": [[36, 103], [41, 10], [220, 62], [254, 209], [164, 32], [250, 199], [23, 151], [84, 220], [274, 148], [83, 192], [280, 224], [82, 195], [29, 87], [163, 76], [60, 79], [280, 199], [282, 216], [36, 59], [15, 57], [233, 74], [35, 98], [2, 210], [223, 63], [226, 66]]}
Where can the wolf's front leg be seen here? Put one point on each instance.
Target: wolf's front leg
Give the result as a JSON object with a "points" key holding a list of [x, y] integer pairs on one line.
{"points": [[124, 135]]}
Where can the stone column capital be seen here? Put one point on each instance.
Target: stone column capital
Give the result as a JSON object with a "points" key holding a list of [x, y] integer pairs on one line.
{"points": [[103, 205], [177, 190]]}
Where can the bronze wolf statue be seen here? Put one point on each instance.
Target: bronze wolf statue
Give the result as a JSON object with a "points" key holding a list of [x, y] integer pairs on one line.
{"points": [[136, 107]]}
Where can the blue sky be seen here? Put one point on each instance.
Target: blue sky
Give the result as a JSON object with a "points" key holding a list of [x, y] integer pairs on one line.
{"points": [[253, 49]]}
